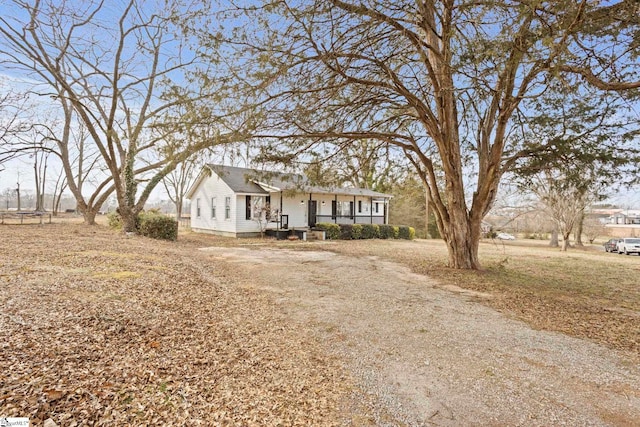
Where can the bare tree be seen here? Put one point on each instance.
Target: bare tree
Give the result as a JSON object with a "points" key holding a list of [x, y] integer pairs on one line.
{"points": [[177, 182], [125, 72], [593, 228], [262, 214], [563, 201], [40, 162], [421, 74], [365, 163], [58, 190], [13, 123]]}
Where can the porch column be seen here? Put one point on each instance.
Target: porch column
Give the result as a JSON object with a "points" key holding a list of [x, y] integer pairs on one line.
{"points": [[386, 211], [353, 212], [371, 210], [280, 216]]}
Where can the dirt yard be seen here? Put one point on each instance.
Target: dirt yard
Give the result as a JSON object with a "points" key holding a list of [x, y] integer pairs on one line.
{"points": [[102, 329]]}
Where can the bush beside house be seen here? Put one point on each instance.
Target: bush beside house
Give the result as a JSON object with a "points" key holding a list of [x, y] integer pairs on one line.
{"points": [[150, 224], [387, 232], [370, 231], [365, 231]]}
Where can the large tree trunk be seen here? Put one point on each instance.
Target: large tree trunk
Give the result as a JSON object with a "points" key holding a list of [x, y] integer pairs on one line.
{"points": [[578, 233], [128, 218], [426, 213], [179, 208], [126, 195], [89, 216], [554, 238], [462, 236], [565, 241]]}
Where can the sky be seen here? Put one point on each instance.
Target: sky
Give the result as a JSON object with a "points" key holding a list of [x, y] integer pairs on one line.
{"points": [[22, 170]]}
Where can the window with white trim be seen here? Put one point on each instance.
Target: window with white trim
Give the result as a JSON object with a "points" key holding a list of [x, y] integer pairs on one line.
{"points": [[198, 208], [227, 207], [213, 207]]}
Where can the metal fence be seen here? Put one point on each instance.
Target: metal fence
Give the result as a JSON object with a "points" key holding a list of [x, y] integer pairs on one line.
{"points": [[25, 218]]}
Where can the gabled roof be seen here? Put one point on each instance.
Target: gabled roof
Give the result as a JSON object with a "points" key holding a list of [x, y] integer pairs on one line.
{"points": [[240, 180], [252, 181]]}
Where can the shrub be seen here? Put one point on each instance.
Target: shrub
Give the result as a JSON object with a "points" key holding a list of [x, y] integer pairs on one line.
{"points": [[356, 231], [396, 231], [346, 231], [385, 231], [412, 233], [331, 230], [158, 226], [404, 232], [113, 219], [370, 231]]}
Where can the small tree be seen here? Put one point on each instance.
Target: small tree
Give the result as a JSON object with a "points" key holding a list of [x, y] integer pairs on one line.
{"points": [[58, 190], [563, 202], [263, 214], [592, 228], [177, 182]]}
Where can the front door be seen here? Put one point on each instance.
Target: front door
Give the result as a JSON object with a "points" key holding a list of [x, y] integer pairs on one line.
{"points": [[313, 211]]}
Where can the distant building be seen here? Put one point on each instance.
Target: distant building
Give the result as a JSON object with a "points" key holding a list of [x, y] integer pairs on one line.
{"points": [[619, 222]]}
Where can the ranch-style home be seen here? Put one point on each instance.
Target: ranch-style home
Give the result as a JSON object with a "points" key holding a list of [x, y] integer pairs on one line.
{"points": [[238, 202]]}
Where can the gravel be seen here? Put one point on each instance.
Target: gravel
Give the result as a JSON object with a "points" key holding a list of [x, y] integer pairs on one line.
{"points": [[424, 355]]}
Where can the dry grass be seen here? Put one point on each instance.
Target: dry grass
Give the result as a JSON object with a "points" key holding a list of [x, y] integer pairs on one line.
{"points": [[584, 292], [97, 328]]}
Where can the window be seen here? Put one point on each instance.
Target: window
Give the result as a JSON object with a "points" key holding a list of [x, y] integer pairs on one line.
{"points": [[248, 209], [343, 209], [198, 208], [213, 207], [267, 201], [227, 207], [257, 206]]}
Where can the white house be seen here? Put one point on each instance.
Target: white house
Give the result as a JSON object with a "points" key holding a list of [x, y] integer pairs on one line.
{"points": [[228, 201]]}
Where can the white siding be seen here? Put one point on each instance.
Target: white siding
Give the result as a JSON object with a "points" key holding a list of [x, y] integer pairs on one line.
{"points": [[297, 211], [209, 188], [245, 225]]}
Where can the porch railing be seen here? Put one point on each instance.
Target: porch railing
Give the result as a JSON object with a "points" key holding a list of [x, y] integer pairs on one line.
{"points": [[351, 219]]}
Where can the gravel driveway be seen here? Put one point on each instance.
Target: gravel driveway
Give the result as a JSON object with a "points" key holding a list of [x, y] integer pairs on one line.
{"points": [[426, 354]]}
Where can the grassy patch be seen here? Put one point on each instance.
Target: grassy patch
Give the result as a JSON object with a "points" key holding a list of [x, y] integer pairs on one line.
{"points": [[118, 275]]}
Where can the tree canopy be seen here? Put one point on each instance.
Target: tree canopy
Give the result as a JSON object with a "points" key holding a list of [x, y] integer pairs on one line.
{"points": [[451, 83], [131, 74]]}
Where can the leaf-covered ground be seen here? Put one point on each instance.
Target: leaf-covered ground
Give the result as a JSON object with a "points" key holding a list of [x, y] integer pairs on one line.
{"points": [[97, 328]]}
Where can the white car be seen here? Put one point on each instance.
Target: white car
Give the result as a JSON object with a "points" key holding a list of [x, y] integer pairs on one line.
{"points": [[629, 245], [505, 236]]}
